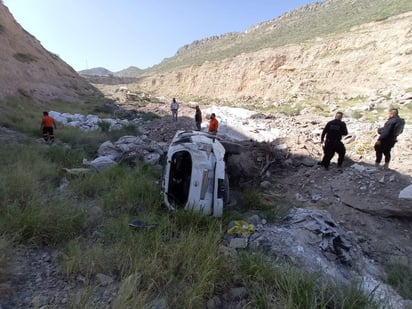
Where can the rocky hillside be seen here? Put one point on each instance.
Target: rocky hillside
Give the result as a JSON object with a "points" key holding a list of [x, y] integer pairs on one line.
{"points": [[28, 69], [309, 22], [366, 60]]}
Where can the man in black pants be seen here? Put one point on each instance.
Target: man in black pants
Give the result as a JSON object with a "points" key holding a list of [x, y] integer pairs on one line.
{"points": [[387, 138], [334, 130]]}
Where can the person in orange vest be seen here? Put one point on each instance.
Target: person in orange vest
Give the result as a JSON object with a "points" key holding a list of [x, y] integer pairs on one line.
{"points": [[213, 124], [47, 125]]}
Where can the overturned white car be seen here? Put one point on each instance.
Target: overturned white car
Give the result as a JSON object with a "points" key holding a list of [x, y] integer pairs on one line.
{"points": [[195, 173]]}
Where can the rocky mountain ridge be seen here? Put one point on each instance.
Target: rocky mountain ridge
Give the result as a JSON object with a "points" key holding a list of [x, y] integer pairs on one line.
{"points": [[309, 22], [369, 60]]}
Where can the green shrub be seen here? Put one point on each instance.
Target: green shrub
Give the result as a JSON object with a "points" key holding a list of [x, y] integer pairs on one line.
{"points": [[86, 259], [24, 174], [90, 186], [131, 191], [356, 114], [65, 157], [88, 142], [150, 116], [250, 199], [104, 126], [25, 57]]}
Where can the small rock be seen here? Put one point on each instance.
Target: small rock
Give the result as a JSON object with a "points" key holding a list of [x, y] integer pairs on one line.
{"points": [[265, 184], [238, 293], [104, 279], [406, 193], [300, 198], [238, 243], [39, 301], [214, 303], [281, 147], [255, 220], [158, 303], [315, 197]]}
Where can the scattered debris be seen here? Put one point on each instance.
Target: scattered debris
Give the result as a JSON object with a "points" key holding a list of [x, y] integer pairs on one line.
{"points": [[137, 224]]}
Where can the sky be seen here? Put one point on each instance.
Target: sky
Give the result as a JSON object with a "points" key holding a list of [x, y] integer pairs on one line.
{"points": [[117, 34]]}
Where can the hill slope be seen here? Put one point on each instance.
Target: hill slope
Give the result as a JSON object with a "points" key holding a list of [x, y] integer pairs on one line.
{"points": [[29, 70], [306, 23], [370, 58]]}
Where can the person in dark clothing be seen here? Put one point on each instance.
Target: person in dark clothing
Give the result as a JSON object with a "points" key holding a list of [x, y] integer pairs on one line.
{"points": [[198, 118], [333, 131], [387, 138]]}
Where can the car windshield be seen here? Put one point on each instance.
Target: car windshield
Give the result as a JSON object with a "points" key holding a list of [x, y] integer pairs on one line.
{"points": [[179, 180]]}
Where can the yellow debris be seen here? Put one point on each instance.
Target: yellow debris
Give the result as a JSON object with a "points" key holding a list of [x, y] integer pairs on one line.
{"points": [[241, 227]]}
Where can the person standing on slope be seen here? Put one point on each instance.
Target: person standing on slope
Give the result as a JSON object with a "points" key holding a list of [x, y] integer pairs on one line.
{"points": [[213, 124], [174, 107], [334, 130], [388, 137], [198, 118]]}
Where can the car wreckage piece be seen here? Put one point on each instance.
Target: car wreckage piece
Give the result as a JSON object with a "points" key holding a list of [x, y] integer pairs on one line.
{"points": [[195, 176]]}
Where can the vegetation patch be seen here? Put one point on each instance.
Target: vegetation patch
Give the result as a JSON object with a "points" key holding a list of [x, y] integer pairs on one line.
{"points": [[29, 209], [270, 207], [150, 116], [278, 285], [104, 126], [25, 57], [399, 276]]}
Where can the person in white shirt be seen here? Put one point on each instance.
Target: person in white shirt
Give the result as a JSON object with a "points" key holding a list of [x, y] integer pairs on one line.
{"points": [[174, 107]]}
